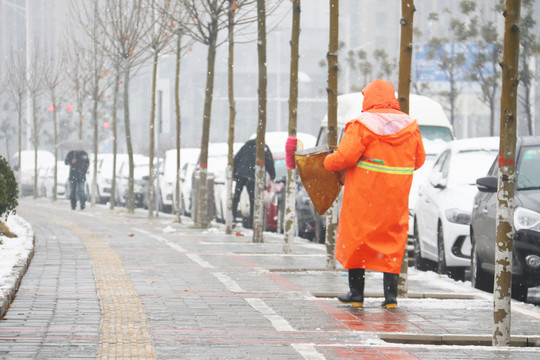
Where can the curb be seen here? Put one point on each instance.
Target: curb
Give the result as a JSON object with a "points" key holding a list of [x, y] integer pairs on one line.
{"points": [[13, 285]]}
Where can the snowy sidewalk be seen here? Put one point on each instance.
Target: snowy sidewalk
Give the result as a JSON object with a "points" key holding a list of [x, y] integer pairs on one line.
{"points": [[183, 293]]}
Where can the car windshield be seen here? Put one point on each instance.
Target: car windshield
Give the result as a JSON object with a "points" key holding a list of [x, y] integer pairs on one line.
{"points": [[467, 166], [528, 176], [281, 168], [435, 133]]}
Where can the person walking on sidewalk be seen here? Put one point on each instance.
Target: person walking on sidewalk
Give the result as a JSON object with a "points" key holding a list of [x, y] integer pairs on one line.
{"points": [[244, 174], [78, 165], [380, 149]]}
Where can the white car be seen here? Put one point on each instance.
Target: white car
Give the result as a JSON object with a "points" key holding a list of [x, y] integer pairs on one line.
{"points": [[444, 205], [217, 165], [62, 177], [27, 170], [167, 176], [140, 169]]}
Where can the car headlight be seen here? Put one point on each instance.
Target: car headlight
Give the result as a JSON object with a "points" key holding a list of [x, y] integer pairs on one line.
{"points": [[526, 219], [458, 216]]}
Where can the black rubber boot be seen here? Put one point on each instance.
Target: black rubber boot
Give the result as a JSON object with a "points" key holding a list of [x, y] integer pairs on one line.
{"points": [[355, 296], [390, 284]]}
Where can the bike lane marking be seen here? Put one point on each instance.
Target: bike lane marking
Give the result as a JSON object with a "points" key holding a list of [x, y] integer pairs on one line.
{"points": [[124, 329]]}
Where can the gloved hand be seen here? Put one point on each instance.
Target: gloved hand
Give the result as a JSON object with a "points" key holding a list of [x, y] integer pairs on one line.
{"points": [[290, 148]]}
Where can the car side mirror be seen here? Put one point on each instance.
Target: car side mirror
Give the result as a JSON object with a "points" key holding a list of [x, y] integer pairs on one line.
{"points": [[437, 180], [487, 184]]}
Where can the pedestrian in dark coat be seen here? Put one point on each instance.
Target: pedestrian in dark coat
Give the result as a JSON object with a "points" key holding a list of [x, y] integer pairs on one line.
{"points": [[244, 174], [78, 165]]}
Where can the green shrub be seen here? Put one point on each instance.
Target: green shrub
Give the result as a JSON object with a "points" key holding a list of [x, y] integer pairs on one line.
{"points": [[9, 191]]}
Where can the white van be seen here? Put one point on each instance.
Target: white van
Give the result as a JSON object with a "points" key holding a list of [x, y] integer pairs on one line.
{"points": [[434, 125]]}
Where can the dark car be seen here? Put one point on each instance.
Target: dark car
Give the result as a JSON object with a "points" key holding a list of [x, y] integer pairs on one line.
{"points": [[526, 252], [274, 195], [310, 224]]}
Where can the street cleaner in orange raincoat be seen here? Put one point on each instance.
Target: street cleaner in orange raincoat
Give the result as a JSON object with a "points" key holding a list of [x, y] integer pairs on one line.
{"points": [[380, 150]]}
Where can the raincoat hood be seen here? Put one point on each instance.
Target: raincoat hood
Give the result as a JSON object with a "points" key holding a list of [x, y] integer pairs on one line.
{"points": [[379, 95]]}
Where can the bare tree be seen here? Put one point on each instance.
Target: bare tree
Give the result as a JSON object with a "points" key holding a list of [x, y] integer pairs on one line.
{"points": [[156, 41], [53, 78], [204, 21], [507, 171], [35, 83], [94, 64], [332, 60], [530, 47], [404, 88], [177, 18], [125, 24], [15, 83], [261, 123], [290, 213], [232, 116]]}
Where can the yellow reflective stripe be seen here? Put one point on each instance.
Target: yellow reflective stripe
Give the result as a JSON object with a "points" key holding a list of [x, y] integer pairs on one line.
{"points": [[385, 168]]}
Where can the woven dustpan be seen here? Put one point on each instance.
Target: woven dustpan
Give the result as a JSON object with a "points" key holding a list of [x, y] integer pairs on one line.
{"points": [[322, 186]]}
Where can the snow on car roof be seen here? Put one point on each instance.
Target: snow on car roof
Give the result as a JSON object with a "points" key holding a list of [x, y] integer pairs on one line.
{"points": [[424, 109]]}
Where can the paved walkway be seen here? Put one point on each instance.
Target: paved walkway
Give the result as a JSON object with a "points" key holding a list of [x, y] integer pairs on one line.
{"points": [[111, 285]]}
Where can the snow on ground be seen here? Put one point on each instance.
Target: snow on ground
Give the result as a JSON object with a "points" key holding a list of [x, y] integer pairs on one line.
{"points": [[14, 251]]}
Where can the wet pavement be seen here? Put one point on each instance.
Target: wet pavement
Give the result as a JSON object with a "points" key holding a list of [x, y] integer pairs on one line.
{"points": [[112, 285]]}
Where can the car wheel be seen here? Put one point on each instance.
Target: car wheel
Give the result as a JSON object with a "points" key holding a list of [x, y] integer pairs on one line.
{"points": [[441, 257], [519, 289], [419, 262], [480, 279]]}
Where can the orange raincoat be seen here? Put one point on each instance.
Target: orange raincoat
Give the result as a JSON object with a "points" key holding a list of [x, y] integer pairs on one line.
{"points": [[380, 150]]}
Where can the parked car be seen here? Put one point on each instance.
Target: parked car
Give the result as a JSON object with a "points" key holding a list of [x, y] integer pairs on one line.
{"points": [[444, 205], [167, 176], [26, 173], [526, 250], [186, 176], [62, 176], [216, 175], [436, 132], [140, 176]]}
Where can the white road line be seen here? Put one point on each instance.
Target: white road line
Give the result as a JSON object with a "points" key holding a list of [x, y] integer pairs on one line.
{"points": [[308, 351], [229, 283], [279, 323], [194, 257], [163, 240], [203, 263]]}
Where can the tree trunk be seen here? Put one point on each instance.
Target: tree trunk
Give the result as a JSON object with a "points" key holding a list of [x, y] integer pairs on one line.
{"points": [[202, 198], [332, 59], [19, 118], [290, 213], [259, 212], [152, 136], [506, 185], [177, 204], [34, 116], [130, 199], [95, 98], [114, 130], [55, 124], [232, 117], [404, 87]]}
